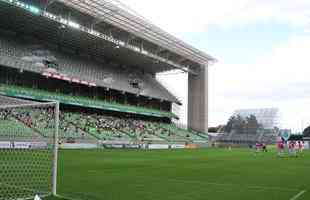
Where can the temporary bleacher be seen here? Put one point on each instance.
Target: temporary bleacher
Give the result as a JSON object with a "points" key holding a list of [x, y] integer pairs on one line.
{"points": [[238, 138]]}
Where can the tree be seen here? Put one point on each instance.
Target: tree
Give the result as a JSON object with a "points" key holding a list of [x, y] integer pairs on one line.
{"points": [[212, 129], [252, 125], [229, 126], [235, 123], [242, 125], [306, 132], [217, 129], [239, 124]]}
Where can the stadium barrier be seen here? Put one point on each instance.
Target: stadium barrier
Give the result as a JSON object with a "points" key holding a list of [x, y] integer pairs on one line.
{"points": [[177, 146], [29, 145], [158, 146], [191, 146], [78, 146], [5, 145], [121, 145]]}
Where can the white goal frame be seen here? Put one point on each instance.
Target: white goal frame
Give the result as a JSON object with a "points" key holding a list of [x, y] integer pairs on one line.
{"points": [[11, 104]]}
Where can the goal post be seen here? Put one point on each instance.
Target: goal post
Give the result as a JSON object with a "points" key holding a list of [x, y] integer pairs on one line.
{"points": [[28, 148], [55, 149]]}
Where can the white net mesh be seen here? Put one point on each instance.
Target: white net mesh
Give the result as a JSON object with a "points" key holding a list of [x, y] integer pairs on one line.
{"points": [[27, 135]]}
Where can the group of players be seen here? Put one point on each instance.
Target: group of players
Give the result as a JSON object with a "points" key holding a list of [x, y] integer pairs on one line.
{"points": [[294, 147]]}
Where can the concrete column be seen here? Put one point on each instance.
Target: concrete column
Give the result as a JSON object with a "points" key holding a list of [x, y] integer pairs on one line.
{"points": [[198, 100]]}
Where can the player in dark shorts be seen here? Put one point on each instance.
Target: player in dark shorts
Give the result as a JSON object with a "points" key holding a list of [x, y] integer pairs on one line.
{"points": [[264, 148]]}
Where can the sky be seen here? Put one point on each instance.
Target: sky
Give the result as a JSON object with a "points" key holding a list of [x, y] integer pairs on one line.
{"points": [[262, 48]]}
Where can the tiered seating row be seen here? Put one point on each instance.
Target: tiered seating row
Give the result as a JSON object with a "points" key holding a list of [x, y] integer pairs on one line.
{"points": [[40, 122], [36, 94], [29, 54]]}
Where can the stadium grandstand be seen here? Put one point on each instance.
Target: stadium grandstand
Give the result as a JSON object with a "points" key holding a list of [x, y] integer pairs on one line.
{"points": [[99, 59]]}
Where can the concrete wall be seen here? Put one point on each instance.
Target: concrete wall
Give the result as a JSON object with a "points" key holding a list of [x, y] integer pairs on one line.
{"points": [[198, 100]]}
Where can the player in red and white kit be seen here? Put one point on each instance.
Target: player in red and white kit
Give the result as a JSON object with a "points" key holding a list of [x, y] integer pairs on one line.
{"points": [[292, 149], [300, 146], [280, 147]]}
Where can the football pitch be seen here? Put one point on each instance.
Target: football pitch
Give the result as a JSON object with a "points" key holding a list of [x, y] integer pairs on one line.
{"points": [[215, 174]]}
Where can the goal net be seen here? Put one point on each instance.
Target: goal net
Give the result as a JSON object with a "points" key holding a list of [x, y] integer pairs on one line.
{"points": [[28, 148]]}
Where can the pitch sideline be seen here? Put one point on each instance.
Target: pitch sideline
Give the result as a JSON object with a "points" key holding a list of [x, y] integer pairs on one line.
{"points": [[298, 195]]}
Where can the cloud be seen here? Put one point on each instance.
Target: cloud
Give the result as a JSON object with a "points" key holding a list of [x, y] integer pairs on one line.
{"points": [[191, 16], [279, 80], [284, 73], [176, 83]]}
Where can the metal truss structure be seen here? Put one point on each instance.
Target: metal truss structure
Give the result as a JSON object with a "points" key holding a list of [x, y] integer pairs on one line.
{"points": [[267, 117], [115, 13], [114, 22]]}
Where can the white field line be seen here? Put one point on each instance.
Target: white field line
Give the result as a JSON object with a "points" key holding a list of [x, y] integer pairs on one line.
{"points": [[253, 187], [298, 195], [64, 197], [31, 198], [245, 186]]}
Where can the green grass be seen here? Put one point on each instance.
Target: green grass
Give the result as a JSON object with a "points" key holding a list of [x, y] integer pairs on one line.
{"points": [[24, 172], [215, 174], [182, 175]]}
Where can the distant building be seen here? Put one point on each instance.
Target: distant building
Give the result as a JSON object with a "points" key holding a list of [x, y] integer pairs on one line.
{"points": [[267, 117]]}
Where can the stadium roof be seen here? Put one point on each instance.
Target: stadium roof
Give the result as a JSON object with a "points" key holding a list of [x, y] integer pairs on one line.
{"points": [[117, 14], [103, 28]]}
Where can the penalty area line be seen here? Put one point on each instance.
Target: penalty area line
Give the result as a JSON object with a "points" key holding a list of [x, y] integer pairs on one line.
{"points": [[298, 195]]}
